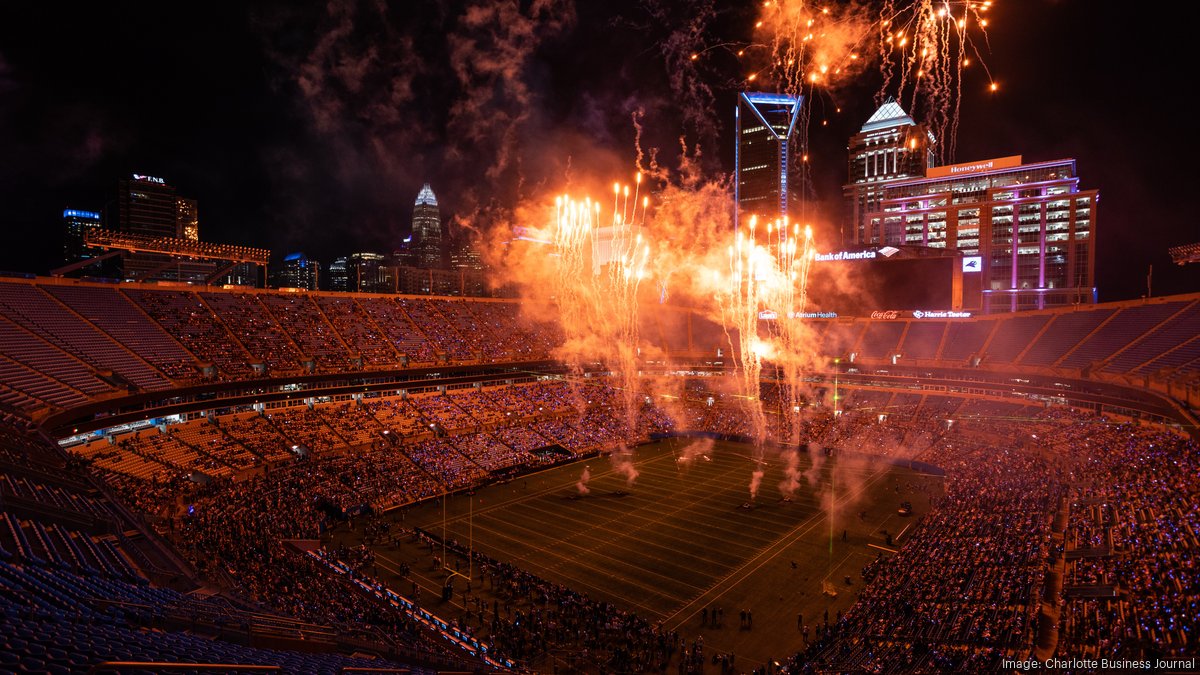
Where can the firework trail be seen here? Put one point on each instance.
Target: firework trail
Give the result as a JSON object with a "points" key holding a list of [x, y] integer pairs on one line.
{"points": [[598, 271], [921, 48], [789, 299], [765, 279], [626, 270], [740, 301]]}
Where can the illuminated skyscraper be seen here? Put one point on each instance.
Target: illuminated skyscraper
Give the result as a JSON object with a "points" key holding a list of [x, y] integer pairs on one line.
{"points": [[76, 224], [367, 272], [765, 125], [339, 275], [149, 206], [297, 271], [890, 147], [187, 215], [145, 205], [426, 231]]}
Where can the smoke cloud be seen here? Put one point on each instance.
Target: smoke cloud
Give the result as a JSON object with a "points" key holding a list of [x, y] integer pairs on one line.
{"points": [[701, 447], [622, 462], [584, 478]]}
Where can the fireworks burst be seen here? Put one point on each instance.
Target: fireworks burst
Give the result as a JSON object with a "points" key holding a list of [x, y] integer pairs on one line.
{"points": [[598, 271], [766, 279], [626, 270], [924, 46], [921, 48]]}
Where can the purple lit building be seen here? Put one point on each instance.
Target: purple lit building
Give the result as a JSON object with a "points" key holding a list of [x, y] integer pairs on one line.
{"points": [[1027, 230]]}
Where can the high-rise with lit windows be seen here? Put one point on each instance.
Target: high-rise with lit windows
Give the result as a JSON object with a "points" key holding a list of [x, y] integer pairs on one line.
{"points": [[426, 245], [187, 216], [765, 125], [890, 147], [1028, 229], [149, 206], [76, 225], [297, 271]]}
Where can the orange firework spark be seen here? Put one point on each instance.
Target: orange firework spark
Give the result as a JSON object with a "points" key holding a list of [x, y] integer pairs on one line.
{"points": [[598, 270], [766, 279], [922, 47]]}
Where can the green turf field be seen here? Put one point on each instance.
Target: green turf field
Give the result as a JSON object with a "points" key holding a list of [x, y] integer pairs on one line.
{"points": [[679, 540]]}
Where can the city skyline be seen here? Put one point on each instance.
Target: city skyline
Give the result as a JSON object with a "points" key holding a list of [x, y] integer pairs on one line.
{"points": [[285, 151]]}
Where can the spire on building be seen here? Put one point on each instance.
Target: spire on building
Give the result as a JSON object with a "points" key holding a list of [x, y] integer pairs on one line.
{"points": [[890, 114], [426, 197]]}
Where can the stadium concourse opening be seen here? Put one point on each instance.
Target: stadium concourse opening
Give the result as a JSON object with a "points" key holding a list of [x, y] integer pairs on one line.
{"points": [[249, 477]]}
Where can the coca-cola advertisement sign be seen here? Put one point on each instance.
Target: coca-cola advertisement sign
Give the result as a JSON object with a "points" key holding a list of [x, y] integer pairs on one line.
{"points": [[885, 314]]}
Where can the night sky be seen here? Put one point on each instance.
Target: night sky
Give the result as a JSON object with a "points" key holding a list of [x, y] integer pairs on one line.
{"points": [[313, 128]]}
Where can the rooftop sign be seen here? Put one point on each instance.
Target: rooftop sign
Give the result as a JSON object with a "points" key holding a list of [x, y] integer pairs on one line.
{"points": [[845, 255], [973, 167]]}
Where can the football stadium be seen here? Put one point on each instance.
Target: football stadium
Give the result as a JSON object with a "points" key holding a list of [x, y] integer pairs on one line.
{"points": [[325, 482], [830, 380]]}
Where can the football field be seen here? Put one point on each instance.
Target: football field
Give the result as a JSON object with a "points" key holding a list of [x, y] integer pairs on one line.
{"points": [[685, 536]]}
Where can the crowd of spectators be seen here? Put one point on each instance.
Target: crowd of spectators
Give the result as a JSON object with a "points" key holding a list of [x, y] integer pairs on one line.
{"points": [[183, 316], [236, 533], [253, 326], [961, 592], [235, 331], [305, 324], [440, 458], [1132, 543], [493, 454], [359, 332]]}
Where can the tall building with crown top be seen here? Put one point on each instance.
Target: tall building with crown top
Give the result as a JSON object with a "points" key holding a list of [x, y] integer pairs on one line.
{"points": [[426, 245], [890, 147]]}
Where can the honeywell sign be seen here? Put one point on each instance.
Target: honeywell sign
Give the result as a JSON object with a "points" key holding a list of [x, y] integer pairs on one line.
{"points": [[973, 167]]}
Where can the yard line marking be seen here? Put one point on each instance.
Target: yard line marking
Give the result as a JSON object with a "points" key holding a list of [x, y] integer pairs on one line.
{"points": [[726, 583]]}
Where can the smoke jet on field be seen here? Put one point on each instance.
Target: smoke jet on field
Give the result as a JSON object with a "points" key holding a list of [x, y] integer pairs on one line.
{"points": [[817, 453], [791, 472], [755, 480], [583, 481], [700, 447], [622, 460]]}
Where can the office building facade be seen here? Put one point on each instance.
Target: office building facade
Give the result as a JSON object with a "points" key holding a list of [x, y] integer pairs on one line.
{"points": [[1028, 229], [890, 147], [76, 225], [145, 205], [369, 273], [765, 126], [297, 271], [149, 206], [339, 275]]}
